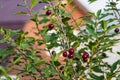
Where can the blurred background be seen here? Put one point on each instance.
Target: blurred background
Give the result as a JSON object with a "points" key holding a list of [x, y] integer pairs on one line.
{"points": [[8, 19]]}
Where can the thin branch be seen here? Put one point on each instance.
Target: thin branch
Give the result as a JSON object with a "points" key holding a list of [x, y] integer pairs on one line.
{"points": [[61, 26], [28, 8]]}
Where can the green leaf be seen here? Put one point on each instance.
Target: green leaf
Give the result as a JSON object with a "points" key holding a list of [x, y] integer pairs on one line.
{"points": [[47, 38], [56, 56], [56, 63], [65, 20], [103, 16], [91, 45], [24, 46], [40, 42], [54, 36], [114, 66], [92, 14], [113, 4], [44, 21], [113, 27], [97, 69], [33, 3], [91, 1], [76, 44], [91, 32], [88, 21], [95, 77], [30, 40], [118, 53], [6, 51], [112, 20], [21, 12], [104, 24], [16, 61], [1, 30], [4, 73], [98, 13]]}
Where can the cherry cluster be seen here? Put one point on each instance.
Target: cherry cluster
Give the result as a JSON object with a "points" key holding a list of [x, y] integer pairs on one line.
{"points": [[69, 53]]}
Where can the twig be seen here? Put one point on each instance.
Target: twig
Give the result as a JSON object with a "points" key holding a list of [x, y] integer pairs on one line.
{"points": [[28, 8], [61, 26]]}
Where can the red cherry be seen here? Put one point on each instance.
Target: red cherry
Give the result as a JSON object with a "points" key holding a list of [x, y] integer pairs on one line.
{"points": [[71, 51], [70, 56], [85, 55], [65, 54], [51, 26], [48, 12], [85, 59], [116, 30]]}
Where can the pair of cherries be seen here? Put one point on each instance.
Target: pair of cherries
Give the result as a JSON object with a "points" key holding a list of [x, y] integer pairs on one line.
{"points": [[49, 12], [85, 56]]}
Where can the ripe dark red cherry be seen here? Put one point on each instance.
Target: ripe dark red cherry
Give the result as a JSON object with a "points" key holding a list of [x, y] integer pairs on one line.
{"points": [[71, 51], [85, 59], [85, 55], [70, 56], [116, 30], [51, 26], [48, 12], [65, 54]]}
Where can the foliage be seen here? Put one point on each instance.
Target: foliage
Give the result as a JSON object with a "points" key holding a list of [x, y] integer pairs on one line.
{"points": [[95, 38]]}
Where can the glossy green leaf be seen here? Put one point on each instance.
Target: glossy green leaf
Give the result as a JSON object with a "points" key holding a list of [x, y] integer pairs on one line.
{"points": [[95, 77], [76, 44], [40, 42], [30, 40], [2, 70], [91, 1], [33, 3], [103, 16], [56, 63], [88, 21], [65, 20], [91, 32], [92, 15], [44, 21], [104, 24], [21, 12], [97, 69], [98, 13], [114, 66], [57, 56]]}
